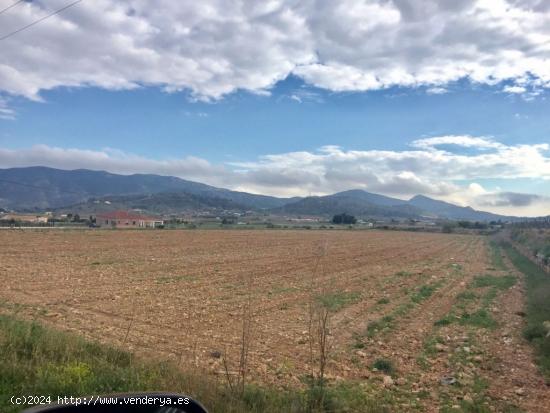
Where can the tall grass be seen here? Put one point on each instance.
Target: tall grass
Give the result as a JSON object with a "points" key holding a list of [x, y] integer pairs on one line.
{"points": [[496, 256], [538, 306], [36, 360]]}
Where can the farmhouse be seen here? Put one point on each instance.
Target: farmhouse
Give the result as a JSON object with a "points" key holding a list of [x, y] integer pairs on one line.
{"points": [[127, 220]]}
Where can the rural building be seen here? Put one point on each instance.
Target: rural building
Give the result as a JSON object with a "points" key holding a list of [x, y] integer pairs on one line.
{"points": [[35, 219], [126, 219]]}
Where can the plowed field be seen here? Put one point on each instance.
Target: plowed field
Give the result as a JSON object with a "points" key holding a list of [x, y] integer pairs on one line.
{"points": [[412, 299]]}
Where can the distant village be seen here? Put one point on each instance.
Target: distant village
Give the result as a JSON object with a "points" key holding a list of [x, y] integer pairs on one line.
{"points": [[135, 219], [124, 219]]}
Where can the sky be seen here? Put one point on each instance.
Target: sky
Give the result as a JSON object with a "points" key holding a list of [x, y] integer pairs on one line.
{"points": [[286, 98]]}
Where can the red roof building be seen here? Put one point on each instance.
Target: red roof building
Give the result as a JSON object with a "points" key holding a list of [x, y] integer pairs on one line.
{"points": [[127, 219]]}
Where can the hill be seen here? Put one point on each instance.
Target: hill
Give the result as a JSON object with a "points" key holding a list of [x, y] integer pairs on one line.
{"points": [[40, 188], [358, 203], [164, 203], [45, 188], [366, 204], [451, 211]]}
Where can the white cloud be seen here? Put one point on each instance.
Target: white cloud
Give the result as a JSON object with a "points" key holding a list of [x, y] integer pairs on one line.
{"points": [[436, 91], [302, 95], [459, 140], [510, 203], [514, 89], [214, 47], [6, 112], [426, 169]]}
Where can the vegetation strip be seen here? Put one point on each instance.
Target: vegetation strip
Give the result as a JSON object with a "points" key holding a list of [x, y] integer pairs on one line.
{"points": [[41, 360], [537, 283]]}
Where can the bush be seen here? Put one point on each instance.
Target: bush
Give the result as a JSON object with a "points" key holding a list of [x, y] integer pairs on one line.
{"points": [[384, 365], [533, 332], [447, 228]]}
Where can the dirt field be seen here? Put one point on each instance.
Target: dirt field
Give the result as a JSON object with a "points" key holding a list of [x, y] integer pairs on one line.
{"points": [[410, 298]]}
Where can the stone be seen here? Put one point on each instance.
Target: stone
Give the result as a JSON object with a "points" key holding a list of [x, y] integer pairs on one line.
{"points": [[447, 380], [467, 398], [388, 381], [520, 391], [216, 354]]}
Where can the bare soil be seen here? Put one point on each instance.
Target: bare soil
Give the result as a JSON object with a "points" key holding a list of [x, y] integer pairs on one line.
{"points": [[180, 295]]}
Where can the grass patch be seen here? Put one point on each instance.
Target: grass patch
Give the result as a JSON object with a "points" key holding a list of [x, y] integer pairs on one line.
{"points": [[423, 293], [496, 256], [502, 283], [403, 309], [480, 318], [383, 301], [358, 342], [385, 323], [337, 301], [445, 321], [40, 360], [466, 296], [282, 290], [430, 345], [456, 267], [538, 306], [168, 279]]}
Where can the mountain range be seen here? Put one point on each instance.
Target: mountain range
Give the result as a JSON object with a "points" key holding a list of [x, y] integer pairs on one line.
{"points": [[86, 191], [40, 187]]}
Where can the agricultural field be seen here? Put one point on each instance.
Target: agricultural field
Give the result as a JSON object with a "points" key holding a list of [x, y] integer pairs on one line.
{"points": [[418, 321]]}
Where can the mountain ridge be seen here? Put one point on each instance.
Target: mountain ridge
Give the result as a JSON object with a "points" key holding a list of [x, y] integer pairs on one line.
{"points": [[56, 188]]}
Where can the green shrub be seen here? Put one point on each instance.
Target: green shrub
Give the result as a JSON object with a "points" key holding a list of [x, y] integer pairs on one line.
{"points": [[384, 365]]}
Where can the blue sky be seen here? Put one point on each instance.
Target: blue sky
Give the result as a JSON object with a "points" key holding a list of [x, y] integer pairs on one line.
{"points": [[243, 125], [400, 97]]}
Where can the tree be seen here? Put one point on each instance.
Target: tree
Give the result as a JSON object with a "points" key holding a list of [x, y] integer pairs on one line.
{"points": [[447, 228], [343, 218]]}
